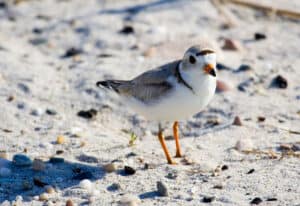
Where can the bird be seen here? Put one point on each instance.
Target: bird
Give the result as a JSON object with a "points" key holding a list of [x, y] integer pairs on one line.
{"points": [[173, 92]]}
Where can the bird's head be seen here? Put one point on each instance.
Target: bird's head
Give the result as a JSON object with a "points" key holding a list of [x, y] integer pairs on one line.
{"points": [[200, 58]]}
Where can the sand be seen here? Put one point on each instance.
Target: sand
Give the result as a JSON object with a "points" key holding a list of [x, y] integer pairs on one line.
{"points": [[36, 76]]}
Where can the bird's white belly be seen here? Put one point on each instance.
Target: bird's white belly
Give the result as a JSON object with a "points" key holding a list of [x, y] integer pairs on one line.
{"points": [[179, 104]]}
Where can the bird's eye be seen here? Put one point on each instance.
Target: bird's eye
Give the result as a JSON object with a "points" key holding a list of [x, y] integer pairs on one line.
{"points": [[192, 60]]}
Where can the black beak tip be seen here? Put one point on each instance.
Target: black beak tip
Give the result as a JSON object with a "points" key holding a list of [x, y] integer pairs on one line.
{"points": [[213, 72]]}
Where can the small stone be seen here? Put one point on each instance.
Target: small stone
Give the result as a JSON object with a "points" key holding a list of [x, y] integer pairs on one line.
{"points": [[271, 199], [51, 112], [59, 152], [279, 82], [38, 165], [208, 199], [43, 197], [261, 119], [219, 186], [37, 30], [251, 171], [129, 170], [49, 189], [21, 105], [223, 67], [127, 30], [244, 145], [222, 86], [86, 184], [21, 160], [38, 41], [285, 147], [130, 200], [259, 36], [150, 52], [232, 45], [224, 167], [244, 68], [69, 203], [114, 187], [111, 167], [38, 182], [162, 189], [296, 147], [72, 52], [56, 160], [3, 154], [60, 139], [5, 172], [37, 112], [256, 201], [24, 88], [237, 121], [88, 114]]}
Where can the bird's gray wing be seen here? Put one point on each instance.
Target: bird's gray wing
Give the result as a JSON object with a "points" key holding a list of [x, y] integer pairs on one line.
{"points": [[151, 85]]}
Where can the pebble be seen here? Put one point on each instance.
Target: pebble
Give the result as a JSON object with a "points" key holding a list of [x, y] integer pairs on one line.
{"points": [[5, 172], [223, 67], [3, 154], [219, 186], [244, 68], [150, 52], [261, 119], [244, 145], [208, 199], [162, 189], [38, 182], [224, 167], [51, 112], [222, 86], [279, 82], [21, 105], [21, 160], [130, 200], [38, 41], [237, 121], [69, 203], [38, 165], [256, 201], [111, 167], [49, 189], [129, 170], [251, 171], [60, 139], [114, 187], [259, 36], [231, 45], [88, 114], [43, 197], [37, 112], [24, 88], [72, 52], [86, 184], [55, 160], [127, 30]]}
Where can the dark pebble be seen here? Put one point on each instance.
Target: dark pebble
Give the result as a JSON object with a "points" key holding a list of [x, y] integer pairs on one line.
{"points": [[37, 30], [38, 41], [224, 167], [55, 160], [87, 158], [131, 154], [162, 189], [72, 52], [129, 170], [208, 199], [21, 105], [104, 55], [83, 175], [3, 5], [51, 112], [256, 201], [88, 114], [223, 67], [127, 30], [58, 152], [272, 199], [279, 82], [259, 36], [24, 88], [261, 119], [244, 68], [237, 121], [251, 171], [38, 182], [114, 187]]}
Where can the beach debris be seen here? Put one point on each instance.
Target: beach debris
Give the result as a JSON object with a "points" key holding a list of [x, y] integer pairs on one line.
{"points": [[279, 82], [111, 167], [60, 139], [86, 184], [43, 197], [133, 138], [208, 199], [51, 112], [59, 152], [38, 182], [219, 186], [38, 41], [231, 45], [261, 118], [251, 171], [69, 203], [87, 114], [224, 167], [256, 201], [221, 67], [72, 52], [38, 165], [271, 199], [150, 52], [259, 36], [237, 121], [49, 189], [223, 86], [129, 170], [244, 144], [127, 30], [244, 68], [162, 189], [129, 200], [24, 88], [22, 160], [114, 187]]}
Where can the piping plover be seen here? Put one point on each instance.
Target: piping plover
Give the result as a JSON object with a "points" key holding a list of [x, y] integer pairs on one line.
{"points": [[171, 92]]}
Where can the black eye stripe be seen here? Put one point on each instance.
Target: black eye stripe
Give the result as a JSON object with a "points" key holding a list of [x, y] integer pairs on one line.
{"points": [[204, 52]]}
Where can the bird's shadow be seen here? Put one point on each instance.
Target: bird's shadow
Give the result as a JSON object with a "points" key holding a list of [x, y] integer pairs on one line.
{"points": [[28, 183]]}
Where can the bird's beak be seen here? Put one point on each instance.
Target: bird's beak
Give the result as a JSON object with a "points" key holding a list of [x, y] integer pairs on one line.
{"points": [[209, 69]]}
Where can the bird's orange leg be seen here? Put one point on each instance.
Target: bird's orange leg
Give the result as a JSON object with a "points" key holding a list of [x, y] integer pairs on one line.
{"points": [[176, 136], [163, 144]]}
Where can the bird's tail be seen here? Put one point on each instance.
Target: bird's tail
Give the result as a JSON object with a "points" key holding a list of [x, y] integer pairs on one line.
{"points": [[111, 84]]}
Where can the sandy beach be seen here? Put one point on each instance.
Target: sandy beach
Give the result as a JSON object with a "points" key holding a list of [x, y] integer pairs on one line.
{"points": [[63, 141]]}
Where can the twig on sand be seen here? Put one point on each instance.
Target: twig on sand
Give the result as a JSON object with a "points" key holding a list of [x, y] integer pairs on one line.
{"points": [[266, 8]]}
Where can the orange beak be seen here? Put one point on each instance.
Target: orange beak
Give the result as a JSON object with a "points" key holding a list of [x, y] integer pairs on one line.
{"points": [[209, 69]]}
